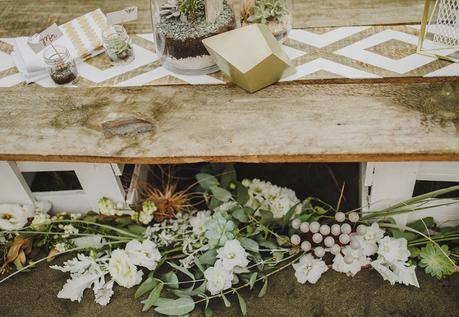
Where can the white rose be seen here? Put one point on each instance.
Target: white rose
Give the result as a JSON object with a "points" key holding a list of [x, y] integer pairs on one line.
{"points": [[123, 270], [218, 278], [394, 250], [358, 260], [309, 269], [14, 216], [144, 254], [198, 222], [368, 241], [232, 254]]}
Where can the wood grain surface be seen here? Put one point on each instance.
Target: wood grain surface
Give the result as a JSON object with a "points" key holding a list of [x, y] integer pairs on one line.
{"points": [[283, 123], [27, 17]]}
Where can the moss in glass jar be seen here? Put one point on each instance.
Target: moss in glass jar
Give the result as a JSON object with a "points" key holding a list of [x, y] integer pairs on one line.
{"points": [[63, 74]]}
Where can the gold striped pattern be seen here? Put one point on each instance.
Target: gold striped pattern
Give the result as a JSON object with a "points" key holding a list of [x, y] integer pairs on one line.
{"points": [[99, 18], [75, 38], [89, 32]]}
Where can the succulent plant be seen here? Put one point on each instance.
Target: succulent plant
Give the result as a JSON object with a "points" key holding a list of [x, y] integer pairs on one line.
{"points": [[268, 10], [192, 8]]}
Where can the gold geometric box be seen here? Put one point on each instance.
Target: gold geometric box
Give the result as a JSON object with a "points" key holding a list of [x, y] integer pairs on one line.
{"points": [[439, 36], [250, 56]]}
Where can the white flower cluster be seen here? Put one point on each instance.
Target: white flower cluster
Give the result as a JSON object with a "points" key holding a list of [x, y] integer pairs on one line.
{"points": [[232, 257], [16, 216], [392, 261], [266, 196], [147, 213], [109, 208], [121, 265], [353, 251]]}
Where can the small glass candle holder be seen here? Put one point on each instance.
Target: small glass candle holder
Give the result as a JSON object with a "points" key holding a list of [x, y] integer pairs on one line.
{"points": [[61, 65], [118, 45]]}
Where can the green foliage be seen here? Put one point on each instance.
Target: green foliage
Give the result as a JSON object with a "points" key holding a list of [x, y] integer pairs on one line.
{"points": [[436, 262], [192, 9], [268, 10], [176, 307]]}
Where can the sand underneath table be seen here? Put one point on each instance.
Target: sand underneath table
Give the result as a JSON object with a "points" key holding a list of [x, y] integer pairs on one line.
{"points": [[34, 294]]}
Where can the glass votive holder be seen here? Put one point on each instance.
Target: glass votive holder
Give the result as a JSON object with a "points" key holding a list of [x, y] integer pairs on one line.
{"points": [[61, 65], [117, 45]]}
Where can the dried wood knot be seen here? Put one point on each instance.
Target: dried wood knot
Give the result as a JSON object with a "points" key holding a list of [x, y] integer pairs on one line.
{"points": [[127, 127]]}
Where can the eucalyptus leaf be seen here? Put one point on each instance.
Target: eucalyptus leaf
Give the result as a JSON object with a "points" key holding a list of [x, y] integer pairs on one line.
{"points": [[422, 224], [214, 203], [268, 244], [240, 215], [153, 297], [206, 180], [249, 244], [266, 217], [242, 304], [220, 193], [288, 216], [208, 258], [146, 286], [242, 194], [198, 264], [264, 288], [225, 300], [177, 307], [182, 269], [170, 279], [136, 229], [253, 279]]}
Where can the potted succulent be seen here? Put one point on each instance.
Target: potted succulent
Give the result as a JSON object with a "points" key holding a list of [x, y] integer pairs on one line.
{"points": [[274, 13], [180, 26]]}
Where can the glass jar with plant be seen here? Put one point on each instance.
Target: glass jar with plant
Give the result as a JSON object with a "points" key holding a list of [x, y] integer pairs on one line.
{"points": [[179, 26], [117, 45], [61, 65], [276, 14]]}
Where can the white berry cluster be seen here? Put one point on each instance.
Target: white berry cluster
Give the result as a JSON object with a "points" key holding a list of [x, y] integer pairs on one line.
{"points": [[327, 238]]}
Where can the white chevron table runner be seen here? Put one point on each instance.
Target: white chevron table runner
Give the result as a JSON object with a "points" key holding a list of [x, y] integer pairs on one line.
{"points": [[361, 52]]}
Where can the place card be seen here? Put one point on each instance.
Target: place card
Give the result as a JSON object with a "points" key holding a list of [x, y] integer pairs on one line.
{"points": [[39, 41], [122, 16]]}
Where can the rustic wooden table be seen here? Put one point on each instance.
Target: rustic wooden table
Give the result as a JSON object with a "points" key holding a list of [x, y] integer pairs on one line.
{"points": [[391, 118]]}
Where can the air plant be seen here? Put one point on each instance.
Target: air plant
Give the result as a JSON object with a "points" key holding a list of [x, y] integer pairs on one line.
{"points": [[267, 10], [168, 198], [171, 10]]}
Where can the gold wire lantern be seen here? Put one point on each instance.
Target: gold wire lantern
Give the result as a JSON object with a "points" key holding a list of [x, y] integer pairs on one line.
{"points": [[439, 36]]}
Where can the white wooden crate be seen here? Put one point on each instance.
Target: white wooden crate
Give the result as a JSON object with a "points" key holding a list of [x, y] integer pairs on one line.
{"points": [[96, 180], [386, 183]]}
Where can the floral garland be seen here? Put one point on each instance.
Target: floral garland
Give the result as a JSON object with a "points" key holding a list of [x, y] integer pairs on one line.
{"points": [[250, 231]]}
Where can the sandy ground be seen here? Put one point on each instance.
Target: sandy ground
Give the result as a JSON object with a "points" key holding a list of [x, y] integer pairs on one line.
{"points": [[34, 294]]}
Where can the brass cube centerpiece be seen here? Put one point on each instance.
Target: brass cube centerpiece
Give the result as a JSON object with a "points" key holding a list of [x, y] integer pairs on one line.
{"points": [[250, 56]]}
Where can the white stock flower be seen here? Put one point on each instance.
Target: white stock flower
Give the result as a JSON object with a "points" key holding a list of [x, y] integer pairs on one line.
{"points": [[309, 269], [144, 254], [145, 218], [368, 241], [198, 222], [358, 260], [122, 270], [218, 278], [84, 272], [14, 216], [396, 272], [106, 207], [104, 293], [232, 254], [393, 250]]}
